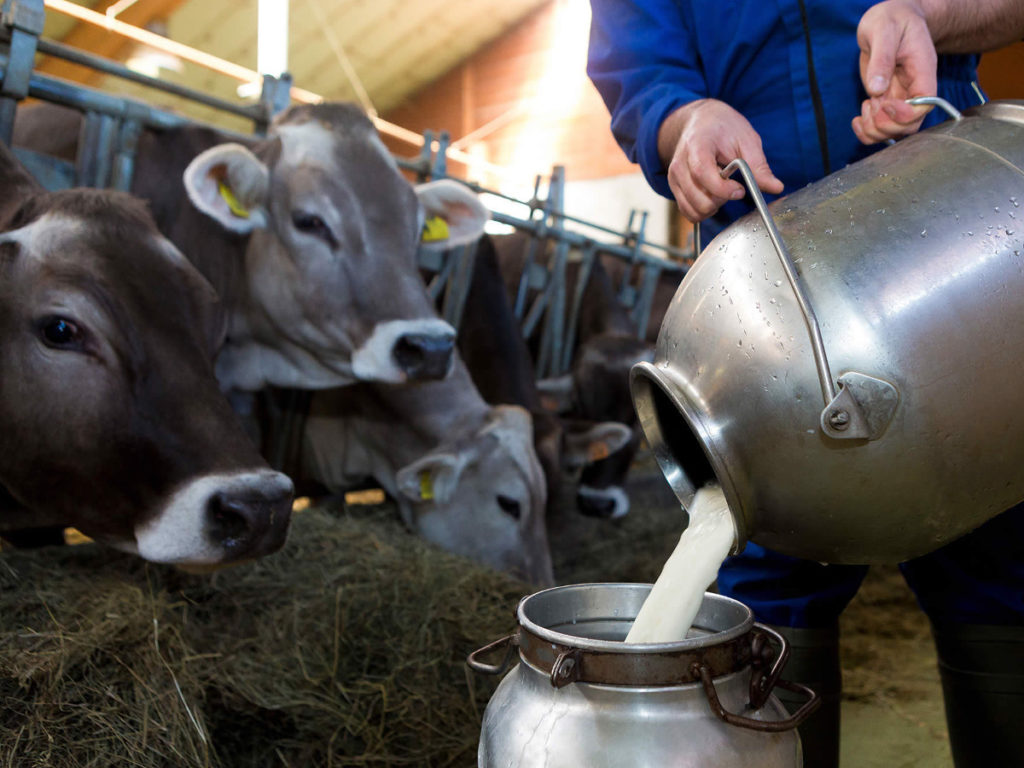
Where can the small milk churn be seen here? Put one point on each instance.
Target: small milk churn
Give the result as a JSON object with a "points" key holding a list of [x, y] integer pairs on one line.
{"points": [[845, 362], [580, 696]]}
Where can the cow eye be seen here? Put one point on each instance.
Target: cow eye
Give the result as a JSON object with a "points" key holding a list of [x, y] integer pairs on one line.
{"points": [[60, 333], [509, 506], [311, 224]]}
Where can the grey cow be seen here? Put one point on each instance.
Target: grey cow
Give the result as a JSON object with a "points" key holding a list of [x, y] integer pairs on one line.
{"points": [[309, 236], [111, 419], [464, 474]]}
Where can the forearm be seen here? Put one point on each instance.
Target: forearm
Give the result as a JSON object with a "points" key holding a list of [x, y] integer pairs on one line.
{"points": [[973, 26]]}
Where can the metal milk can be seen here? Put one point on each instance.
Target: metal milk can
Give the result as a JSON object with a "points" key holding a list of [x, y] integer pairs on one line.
{"points": [[845, 362], [580, 696]]}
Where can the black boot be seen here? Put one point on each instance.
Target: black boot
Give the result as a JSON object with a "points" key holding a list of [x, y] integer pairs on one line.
{"points": [[814, 661], [982, 670]]}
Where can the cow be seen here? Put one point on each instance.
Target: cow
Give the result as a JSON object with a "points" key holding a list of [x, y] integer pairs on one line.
{"points": [[605, 348], [111, 418], [500, 364], [308, 235], [463, 473]]}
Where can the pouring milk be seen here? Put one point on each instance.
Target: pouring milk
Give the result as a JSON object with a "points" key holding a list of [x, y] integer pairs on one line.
{"points": [[672, 605]]}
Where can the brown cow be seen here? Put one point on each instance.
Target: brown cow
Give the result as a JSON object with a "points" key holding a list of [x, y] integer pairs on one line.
{"points": [[111, 419]]}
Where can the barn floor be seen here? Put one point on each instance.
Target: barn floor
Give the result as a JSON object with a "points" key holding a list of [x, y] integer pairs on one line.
{"points": [[892, 715], [350, 643]]}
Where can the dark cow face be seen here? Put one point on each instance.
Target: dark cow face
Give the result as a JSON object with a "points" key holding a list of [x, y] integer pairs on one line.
{"points": [[600, 388], [111, 419], [335, 291]]}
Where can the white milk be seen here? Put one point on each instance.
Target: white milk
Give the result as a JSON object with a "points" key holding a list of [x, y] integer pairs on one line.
{"points": [[672, 605]]}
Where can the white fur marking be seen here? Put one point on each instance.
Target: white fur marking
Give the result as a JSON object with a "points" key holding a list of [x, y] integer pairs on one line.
{"points": [[47, 233], [306, 143]]}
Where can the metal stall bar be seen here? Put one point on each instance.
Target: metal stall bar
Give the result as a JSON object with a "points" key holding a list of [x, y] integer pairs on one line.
{"points": [[254, 112], [21, 22], [552, 337], [582, 278]]}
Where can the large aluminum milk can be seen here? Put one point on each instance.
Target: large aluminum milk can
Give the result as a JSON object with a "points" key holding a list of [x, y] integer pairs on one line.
{"points": [[580, 696], [846, 362]]}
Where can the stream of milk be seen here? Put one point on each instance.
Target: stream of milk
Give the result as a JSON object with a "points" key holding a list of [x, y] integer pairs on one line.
{"points": [[668, 613]]}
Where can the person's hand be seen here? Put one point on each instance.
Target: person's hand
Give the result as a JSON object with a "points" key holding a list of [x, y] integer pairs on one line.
{"points": [[897, 62], [696, 141]]}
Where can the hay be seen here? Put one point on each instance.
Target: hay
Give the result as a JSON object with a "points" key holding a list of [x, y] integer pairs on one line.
{"points": [[347, 648]]}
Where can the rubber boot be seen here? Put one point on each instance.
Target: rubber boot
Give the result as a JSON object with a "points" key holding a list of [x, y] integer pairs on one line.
{"points": [[814, 661], [982, 671]]}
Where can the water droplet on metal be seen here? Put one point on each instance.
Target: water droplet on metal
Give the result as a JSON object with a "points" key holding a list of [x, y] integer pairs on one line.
{"points": [[778, 283], [924, 233]]}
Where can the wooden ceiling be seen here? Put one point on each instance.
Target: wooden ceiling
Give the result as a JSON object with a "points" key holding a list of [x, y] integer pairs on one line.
{"points": [[395, 46]]}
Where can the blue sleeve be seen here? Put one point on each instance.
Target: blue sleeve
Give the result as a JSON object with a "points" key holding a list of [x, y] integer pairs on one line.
{"points": [[644, 63]]}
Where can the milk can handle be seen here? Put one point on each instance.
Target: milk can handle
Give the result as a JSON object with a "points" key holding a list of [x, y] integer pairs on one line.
{"points": [[761, 686], [482, 668], [828, 387]]}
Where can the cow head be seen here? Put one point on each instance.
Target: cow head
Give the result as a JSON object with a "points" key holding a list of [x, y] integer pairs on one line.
{"points": [[111, 419], [600, 389], [482, 495], [334, 293]]}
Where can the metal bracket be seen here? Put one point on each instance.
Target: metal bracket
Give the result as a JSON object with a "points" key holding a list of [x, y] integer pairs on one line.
{"points": [[861, 410], [23, 21], [862, 406]]}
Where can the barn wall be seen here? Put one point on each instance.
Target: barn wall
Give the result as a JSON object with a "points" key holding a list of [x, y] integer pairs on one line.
{"points": [[531, 87], [537, 69]]}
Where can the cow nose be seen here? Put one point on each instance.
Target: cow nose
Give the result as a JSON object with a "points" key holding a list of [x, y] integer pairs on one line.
{"points": [[423, 356], [250, 519], [595, 505]]}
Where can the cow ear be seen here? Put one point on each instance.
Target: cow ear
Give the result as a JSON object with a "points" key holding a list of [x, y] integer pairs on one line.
{"points": [[229, 184], [453, 214], [556, 393], [433, 477], [585, 444]]}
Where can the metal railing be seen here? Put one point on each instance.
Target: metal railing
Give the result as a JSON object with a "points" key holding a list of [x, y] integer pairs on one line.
{"points": [[113, 125]]}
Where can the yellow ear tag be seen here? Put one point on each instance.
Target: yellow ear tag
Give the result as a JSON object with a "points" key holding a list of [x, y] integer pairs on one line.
{"points": [[434, 228], [597, 451], [229, 197], [426, 486]]}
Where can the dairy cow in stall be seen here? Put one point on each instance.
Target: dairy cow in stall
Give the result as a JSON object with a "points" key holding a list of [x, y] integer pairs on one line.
{"points": [[605, 348], [500, 364], [309, 236], [474, 462], [111, 419], [463, 473]]}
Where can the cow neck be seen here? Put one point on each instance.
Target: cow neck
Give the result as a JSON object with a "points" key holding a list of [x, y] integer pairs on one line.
{"points": [[425, 415], [160, 166], [373, 430]]}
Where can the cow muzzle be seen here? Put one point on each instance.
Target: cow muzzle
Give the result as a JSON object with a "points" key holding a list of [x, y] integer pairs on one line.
{"points": [[609, 503], [400, 351], [219, 519]]}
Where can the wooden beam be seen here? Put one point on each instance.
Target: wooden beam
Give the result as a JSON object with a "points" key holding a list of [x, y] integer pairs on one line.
{"points": [[104, 43]]}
